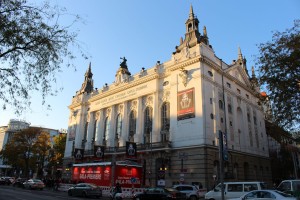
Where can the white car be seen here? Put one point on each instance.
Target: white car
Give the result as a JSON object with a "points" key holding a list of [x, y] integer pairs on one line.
{"points": [[266, 194]]}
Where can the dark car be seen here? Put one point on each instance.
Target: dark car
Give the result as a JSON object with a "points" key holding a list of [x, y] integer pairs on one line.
{"points": [[85, 190], [19, 182], [160, 194], [5, 180]]}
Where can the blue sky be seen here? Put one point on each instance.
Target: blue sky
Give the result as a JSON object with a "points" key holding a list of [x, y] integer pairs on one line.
{"points": [[145, 31]]}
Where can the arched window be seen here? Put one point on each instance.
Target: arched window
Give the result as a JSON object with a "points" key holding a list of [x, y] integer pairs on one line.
{"points": [[165, 117], [85, 134], [147, 125], [106, 131], [190, 26], [118, 129], [220, 104], [229, 108], [165, 121], [132, 126]]}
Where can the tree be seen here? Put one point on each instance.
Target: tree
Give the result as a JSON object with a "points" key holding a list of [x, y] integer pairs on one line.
{"points": [[33, 48], [279, 71], [58, 151], [26, 148]]}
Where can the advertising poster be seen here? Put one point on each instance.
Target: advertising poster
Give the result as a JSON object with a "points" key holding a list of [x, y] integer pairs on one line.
{"points": [[185, 104], [128, 176], [99, 152], [72, 133], [131, 150], [78, 153], [99, 175]]}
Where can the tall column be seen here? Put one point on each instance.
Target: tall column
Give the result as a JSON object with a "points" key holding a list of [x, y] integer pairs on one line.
{"points": [[139, 121]]}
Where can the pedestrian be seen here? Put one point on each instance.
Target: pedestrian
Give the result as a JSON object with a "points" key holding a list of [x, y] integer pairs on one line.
{"points": [[117, 189]]}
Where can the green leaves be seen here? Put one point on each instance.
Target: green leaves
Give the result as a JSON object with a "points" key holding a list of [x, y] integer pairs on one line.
{"points": [[279, 67]]}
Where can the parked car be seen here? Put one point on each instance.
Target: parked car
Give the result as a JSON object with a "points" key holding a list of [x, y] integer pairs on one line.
{"points": [[234, 190], [290, 186], [159, 194], [265, 194], [34, 184], [6, 180], [191, 191], [19, 182], [85, 190]]}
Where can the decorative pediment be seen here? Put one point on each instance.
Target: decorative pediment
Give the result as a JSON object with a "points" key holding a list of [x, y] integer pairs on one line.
{"points": [[239, 73]]}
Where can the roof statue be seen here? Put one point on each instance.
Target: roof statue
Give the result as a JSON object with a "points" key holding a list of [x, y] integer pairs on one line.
{"points": [[123, 63]]}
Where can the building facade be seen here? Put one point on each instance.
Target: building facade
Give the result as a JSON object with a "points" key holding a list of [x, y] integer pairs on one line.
{"points": [[173, 112]]}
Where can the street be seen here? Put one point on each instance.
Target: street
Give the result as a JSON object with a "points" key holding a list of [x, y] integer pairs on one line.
{"points": [[12, 193]]}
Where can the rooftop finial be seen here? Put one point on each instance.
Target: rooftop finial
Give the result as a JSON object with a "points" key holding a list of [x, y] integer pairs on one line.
{"points": [[204, 31], [240, 54]]}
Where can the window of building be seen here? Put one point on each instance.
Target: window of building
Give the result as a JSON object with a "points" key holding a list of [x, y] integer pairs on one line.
{"points": [[248, 117], [132, 126], [106, 130], [247, 96], [210, 73], [147, 125], [229, 108], [210, 100], [211, 116], [221, 104], [165, 117], [238, 91], [118, 129], [228, 85]]}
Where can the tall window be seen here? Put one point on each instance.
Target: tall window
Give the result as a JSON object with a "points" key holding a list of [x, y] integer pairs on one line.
{"points": [[106, 131], [221, 104], [118, 129], [85, 134], [165, 117], [147, 125], [132, 126], [165, 121]]}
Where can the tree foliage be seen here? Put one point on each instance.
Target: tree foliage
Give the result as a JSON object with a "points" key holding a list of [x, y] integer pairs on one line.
{"points": [[279, 69], [27, 148], [58, 151], [33, 48]]}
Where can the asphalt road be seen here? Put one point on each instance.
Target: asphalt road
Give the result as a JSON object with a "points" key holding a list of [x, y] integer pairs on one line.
{"points": [[12, 193]]}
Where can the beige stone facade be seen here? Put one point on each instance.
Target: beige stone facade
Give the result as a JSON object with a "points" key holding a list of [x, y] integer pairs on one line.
{"points": [[174, 111]]}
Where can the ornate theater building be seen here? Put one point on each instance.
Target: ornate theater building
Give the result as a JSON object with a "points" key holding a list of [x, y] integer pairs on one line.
{"points": [[166, 120]]}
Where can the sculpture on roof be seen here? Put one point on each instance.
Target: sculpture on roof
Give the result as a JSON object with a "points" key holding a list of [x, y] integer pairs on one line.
{"points": [[123, 63]]}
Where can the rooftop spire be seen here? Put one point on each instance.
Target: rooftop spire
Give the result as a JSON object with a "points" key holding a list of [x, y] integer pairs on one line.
{"points": [[191, 16], [88, 84], [240, 54]]}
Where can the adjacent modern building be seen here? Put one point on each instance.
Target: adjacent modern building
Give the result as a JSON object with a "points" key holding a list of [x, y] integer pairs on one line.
{"points": [[174, 112]]}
